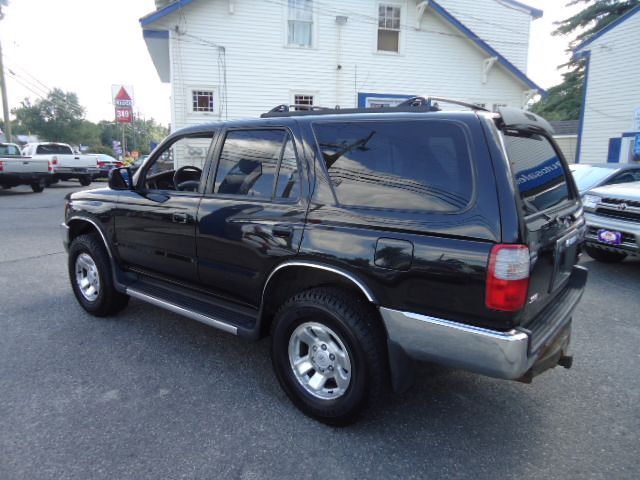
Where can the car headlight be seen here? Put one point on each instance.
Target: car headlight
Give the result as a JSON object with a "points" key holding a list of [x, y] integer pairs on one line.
{"points": [[590, 201]]}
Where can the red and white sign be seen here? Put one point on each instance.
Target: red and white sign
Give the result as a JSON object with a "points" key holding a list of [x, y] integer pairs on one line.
{"points": [[124, 114], [123, 102]]}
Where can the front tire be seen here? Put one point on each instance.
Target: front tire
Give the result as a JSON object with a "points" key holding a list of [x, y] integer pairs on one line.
{"points": [[91, 277], [329, 354], [604, 256], [85, 181]]}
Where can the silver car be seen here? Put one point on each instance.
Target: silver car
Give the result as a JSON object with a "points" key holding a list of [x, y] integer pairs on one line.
{"points": [[613, 222]]}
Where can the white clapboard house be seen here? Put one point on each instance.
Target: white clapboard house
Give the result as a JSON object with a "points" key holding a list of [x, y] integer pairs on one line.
{"points": [[239, 58], [610, 118]]}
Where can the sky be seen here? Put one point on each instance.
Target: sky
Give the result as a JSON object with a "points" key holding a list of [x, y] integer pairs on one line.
{"points": [[85, 46]]}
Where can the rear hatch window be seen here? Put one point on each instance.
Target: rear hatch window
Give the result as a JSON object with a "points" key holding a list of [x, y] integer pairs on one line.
{"points": [[407, 165], [53, 149], [539, 174]]}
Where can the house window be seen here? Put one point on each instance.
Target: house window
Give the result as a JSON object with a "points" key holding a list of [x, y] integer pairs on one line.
{"points": [[300, 23], [202, 100], [388, 28], [302, 102]]}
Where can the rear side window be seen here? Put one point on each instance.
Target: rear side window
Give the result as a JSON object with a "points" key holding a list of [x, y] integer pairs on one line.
{"points": [[53, 149], [539, 174], [407, 165]]}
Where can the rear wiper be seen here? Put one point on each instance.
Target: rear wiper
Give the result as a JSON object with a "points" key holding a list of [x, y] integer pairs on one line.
{"points": [[533, 209]]}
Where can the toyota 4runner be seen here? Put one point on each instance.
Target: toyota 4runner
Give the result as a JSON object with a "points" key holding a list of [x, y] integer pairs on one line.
{"points": [[359, 240]]}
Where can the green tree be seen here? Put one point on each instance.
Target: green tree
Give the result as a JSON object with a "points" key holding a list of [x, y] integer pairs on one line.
{"points": [[58, 117], [565, 99]]}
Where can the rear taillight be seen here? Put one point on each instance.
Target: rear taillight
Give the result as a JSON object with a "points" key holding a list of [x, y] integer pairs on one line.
{"points": [[101, 164], [50, 166], [1, 166], [119, 164], [54, 160], [508, 277]]}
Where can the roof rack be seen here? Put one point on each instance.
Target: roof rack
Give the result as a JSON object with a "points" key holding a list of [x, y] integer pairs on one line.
{"points": [[413, 104]]}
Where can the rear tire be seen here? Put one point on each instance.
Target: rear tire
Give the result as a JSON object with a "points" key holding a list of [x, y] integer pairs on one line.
{"points": [[604, 256], [85, 181], [92, 279], [38, 187], [339, 350]]}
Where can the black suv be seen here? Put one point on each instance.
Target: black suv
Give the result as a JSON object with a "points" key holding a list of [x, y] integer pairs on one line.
{"points": [[360, 240]]}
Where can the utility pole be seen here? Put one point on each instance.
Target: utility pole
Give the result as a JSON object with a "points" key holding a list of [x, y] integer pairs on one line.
{"points": [[3, 87]]}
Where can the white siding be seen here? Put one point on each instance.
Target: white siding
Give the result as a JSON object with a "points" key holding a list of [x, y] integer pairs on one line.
{"points": [[263, 72], [567, 144], [613, 91], [505, 28]]}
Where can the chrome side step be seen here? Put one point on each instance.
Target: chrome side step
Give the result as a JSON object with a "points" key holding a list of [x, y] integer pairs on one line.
{"points": [[172, 307]]}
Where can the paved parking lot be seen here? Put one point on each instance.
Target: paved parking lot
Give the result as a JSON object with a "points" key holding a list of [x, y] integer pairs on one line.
{"points": [[148, 394]]}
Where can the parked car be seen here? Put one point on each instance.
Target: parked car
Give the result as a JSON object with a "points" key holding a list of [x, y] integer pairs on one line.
{"points": [[105, 164], [16, 169], [592, 176], [66, 164], [613, 222], [359, 240]]}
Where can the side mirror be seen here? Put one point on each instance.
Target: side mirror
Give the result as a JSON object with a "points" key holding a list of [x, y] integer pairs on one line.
{"points": [[121, 179]]}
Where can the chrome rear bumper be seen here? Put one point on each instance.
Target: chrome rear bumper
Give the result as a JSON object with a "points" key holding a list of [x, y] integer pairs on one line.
{"points": [[497, 354]]}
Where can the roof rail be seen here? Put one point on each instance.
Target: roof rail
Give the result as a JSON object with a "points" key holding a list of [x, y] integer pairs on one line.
{"points": [[431, 102], [413, 104]]}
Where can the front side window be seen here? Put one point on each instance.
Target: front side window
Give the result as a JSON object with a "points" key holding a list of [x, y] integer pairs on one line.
{"points": [[202, 101], [388, 28], [258, 163], [300, 23], [179, 165], [402, 165]]}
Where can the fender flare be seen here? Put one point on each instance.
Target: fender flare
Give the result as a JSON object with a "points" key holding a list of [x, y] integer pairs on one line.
{"points": [[320, 266]]}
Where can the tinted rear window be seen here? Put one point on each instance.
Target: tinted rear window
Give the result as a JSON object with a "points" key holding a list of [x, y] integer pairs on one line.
{"points": [[409, 165], [9, 150], [53, 149], [540, 176]]}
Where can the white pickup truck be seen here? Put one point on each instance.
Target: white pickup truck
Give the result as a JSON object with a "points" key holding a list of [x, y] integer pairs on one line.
{"points": [[66, 163], [16, 169]]}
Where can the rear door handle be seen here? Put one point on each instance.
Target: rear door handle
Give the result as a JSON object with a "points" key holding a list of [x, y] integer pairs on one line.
{"points": [[181, 217], [282, 232]]}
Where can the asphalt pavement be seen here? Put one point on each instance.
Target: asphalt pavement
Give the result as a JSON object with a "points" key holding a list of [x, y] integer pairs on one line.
{"points": [[149, 394]]}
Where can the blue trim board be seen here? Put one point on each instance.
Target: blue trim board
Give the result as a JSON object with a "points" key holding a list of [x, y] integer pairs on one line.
{"points": [[486, 47], [613, 153], [611, 26], [164, 34], [362, 97], [163, 12], [587, 57], [630, 134], [535, 13]]}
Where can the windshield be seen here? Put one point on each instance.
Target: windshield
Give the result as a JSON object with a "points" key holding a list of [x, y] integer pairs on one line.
{"points": [[589, 177], [53, 149]]}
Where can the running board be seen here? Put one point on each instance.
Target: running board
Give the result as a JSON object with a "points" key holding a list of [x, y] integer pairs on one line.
{"points": [[172, 307]]}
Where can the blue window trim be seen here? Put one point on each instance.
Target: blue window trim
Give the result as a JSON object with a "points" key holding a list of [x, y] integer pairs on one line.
{"points": [[163, 12], [362, 97], [436, 7], [583, 107], [630, 134], [609, 27], [155, 34], [615, 141]]}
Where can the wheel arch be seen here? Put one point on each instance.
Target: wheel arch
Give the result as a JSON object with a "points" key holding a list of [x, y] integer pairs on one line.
{"points": [[83, 225], [292, 277]]}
